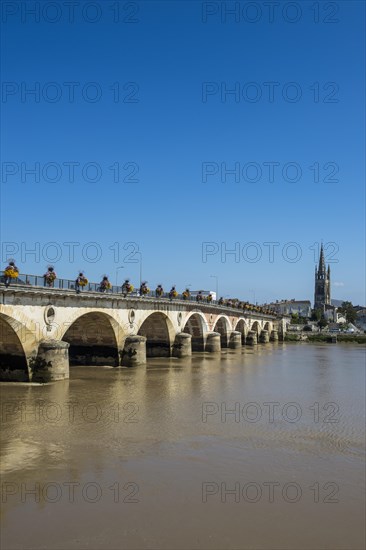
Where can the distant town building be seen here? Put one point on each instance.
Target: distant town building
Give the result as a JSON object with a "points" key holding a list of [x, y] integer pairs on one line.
{"points": [[337, 303], [204, 293], [361, 319], [331, 314], [289, 307], [322, 283]]}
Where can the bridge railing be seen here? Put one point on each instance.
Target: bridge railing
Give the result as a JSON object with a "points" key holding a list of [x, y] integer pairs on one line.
{"points": [[69, 284], [61, 284]]}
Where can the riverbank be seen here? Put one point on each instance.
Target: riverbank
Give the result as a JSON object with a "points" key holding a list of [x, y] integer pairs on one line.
{"points": [[327, 338]]}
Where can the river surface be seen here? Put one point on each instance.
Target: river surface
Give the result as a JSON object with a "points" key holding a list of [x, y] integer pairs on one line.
{"points": [[252, 449]]}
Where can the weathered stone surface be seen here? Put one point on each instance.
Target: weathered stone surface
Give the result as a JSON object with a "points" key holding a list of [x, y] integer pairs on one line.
{"points": [[251, 339], [235, 340], [56, 353], [182, 345], [134, 351], [213, 342], [264, 337], [274, 336]]}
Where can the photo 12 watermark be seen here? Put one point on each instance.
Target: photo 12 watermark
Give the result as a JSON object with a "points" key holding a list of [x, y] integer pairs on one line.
{"points": [[53, 412], [254, 492], [72, 252], [269, 412], [52, 492], [69, 172], [70, 12], [246, 12], [216, 92], [265, 252], [269, 171], [54, 92]]}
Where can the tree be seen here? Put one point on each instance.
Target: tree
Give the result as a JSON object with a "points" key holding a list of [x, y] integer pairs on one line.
{"points": [[294, 318], [349, 311], [316, 314], [322, 322]]}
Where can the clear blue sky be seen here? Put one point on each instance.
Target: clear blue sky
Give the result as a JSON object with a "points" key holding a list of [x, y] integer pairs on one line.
{"points": [[175, 125]]}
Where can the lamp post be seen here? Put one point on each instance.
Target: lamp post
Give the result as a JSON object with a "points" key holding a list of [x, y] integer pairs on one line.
{"points": [[217, 285], [140, 254], [120, 267], [253, 292]]}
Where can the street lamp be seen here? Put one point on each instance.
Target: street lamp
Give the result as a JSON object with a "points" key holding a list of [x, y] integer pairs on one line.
{"points": [[120, 267], [253, 292], [217, 285], [140, 254]]}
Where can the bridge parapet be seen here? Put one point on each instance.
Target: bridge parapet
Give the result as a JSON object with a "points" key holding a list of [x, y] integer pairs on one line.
{"points": [[25, 295]]}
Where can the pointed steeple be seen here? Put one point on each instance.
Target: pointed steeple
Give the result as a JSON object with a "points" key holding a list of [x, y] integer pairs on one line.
{"points": [[321, 269], [322, 283]]}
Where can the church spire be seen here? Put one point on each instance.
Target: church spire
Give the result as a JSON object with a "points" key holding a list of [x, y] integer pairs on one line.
{"points": [[321, 269], [322, 283]]}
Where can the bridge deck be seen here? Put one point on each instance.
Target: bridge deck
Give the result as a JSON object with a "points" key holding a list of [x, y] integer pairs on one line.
{"points": [[34, 284]]}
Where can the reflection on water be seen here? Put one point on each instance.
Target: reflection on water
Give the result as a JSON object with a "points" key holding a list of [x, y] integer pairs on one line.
{"points": [[181, 454]]}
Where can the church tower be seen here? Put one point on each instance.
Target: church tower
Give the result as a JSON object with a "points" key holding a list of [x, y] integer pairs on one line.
{"points": [[322, 283]]}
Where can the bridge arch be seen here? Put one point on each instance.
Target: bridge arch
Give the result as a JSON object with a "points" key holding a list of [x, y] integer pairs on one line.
{"points": [[13, 360], [223, 327], [256, 327], [159, 333], [93, 340], [241, 327], [196, 326], [268, 326]]}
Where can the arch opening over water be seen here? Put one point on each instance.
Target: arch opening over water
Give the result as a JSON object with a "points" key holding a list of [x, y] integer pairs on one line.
{"points": [[241, 327], [13, 362], [222, 326], [92, 341], [156, 330], [256, 327], [196, 328]]}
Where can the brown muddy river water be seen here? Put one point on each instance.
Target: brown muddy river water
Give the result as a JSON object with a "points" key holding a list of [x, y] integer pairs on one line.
{"points": [[251, 449]]}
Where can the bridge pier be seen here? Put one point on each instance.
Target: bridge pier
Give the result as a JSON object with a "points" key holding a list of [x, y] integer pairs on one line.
{"points": [[235, 340], [252, 338], [134, 351], [52, 361], [274, 336], [264, 337], [213, 342], [182, 346]]}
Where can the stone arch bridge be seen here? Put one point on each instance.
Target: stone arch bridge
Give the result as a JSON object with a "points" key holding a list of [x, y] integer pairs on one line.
{"points": [[65, 328]]}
